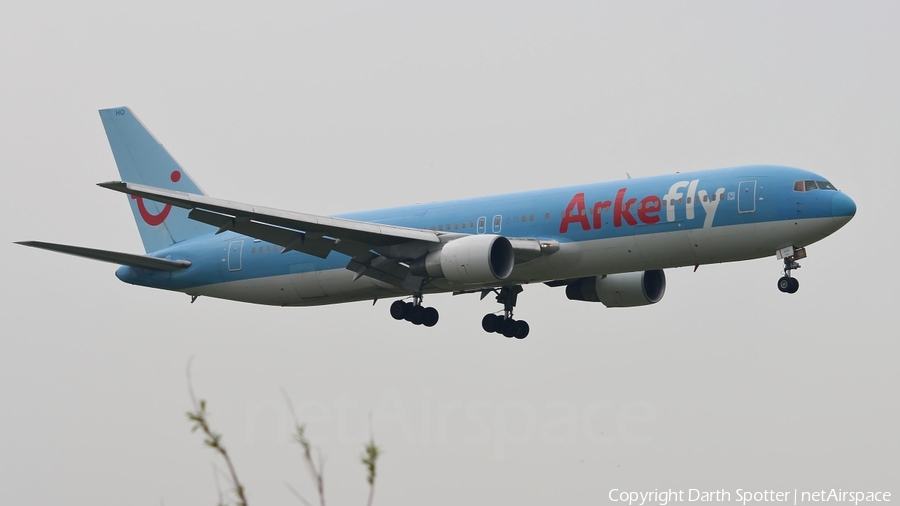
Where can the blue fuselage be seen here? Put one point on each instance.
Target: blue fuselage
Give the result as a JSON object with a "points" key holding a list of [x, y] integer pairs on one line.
{"points": [[603, 228]]}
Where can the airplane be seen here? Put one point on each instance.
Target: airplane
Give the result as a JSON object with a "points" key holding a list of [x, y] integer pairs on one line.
{"points": [[604, 242]]}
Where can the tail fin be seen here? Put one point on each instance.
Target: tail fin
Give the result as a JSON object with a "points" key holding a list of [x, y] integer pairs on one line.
{"points": [[142, 159]]}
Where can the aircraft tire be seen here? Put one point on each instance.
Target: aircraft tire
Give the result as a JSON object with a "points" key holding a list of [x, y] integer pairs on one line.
{"points": [[417, 315], [794, 285], [431, 317], [784, 284], [489, 323], [522, 329], [398, 310], [508, 327]]}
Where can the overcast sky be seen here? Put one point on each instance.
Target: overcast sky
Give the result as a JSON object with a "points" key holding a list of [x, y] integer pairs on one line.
{"points": [[326, 107]]}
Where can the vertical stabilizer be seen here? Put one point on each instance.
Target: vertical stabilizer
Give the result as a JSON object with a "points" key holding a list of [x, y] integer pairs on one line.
{"points": [[142, 159]]}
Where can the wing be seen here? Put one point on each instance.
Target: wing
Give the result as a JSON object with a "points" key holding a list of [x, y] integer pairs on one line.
{"points": [[376, 250], [307, 233]]}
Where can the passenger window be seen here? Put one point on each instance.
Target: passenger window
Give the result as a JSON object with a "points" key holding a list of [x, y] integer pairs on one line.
{"points": [[440, 227], [530, 217], [547, 216], [464, 225]]}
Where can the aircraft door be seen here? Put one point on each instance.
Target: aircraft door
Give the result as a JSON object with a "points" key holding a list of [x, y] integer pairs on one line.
{"points": [[235, 248], [747, 196], [482, 225], [498, 223]]}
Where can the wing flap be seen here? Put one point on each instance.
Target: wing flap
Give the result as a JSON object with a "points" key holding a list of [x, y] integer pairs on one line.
{"points": [[291, 240], [385, 270], [114, 257]]}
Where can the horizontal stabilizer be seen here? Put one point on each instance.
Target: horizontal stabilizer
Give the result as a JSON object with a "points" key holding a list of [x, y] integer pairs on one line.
{"points": [[114, 257]]}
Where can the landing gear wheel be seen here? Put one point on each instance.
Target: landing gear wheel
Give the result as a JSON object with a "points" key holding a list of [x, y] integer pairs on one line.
{"points": [[417, 315], [784, 284], [508, 327], [431, 317], [794, 285], [490, 323], [398, 310], [522, 329]]}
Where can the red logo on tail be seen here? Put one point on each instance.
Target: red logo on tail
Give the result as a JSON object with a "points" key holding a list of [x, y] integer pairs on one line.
{"points": [[149, 218], [156, 219]]}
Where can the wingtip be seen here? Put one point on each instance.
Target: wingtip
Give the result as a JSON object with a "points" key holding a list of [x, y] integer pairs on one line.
{"points": [[113, 185]]}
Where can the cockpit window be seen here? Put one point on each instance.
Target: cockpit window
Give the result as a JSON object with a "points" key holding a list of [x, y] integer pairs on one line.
{"points": [[805, 186]]}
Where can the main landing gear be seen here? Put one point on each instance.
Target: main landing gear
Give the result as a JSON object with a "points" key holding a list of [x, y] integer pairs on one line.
{"points": [[790, 255], [505, 324], [414, 312]]}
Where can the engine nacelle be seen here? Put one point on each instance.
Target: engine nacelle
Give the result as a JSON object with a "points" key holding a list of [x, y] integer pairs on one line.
{"points": [[620, 290], [470, 259]]}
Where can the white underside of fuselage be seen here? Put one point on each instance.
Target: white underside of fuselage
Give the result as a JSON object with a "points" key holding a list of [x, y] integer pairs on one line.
{"points": [[573, 260]]}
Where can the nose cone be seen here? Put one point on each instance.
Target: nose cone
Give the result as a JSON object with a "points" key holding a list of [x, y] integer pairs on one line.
{"points": [[842, 208]]}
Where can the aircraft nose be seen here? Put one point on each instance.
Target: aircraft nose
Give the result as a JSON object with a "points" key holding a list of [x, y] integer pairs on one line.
{"points": [[842, 208]]}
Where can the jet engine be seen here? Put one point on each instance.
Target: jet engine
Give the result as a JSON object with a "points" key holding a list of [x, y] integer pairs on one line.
{"points": [[470, 259], [620, 290]]}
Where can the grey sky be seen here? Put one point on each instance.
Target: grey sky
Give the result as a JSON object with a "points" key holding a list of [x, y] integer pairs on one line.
{"points": [[323, 108]]}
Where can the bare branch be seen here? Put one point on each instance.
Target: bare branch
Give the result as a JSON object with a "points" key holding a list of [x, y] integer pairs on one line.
{"points": [[369, 459], [199, 417], [297, 494], [316, 473]]}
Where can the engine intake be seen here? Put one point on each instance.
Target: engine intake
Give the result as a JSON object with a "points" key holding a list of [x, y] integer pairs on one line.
{"points": [[470, 259], [620, 290]]}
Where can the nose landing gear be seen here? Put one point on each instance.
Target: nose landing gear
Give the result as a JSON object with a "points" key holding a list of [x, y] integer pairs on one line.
{"points": [[505, 324], [414, 312], [790, 255]]}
